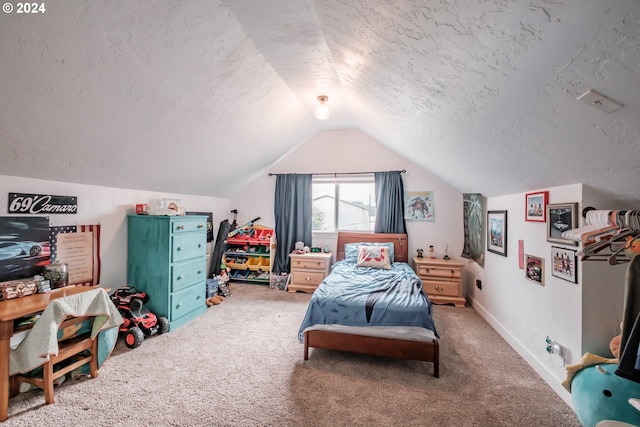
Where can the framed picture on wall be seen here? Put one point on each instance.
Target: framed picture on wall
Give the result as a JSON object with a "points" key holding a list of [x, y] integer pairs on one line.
{"points": [[563, 264], [534, 269], [561, 217], [418, 205], [497, 232], [536, 206]]}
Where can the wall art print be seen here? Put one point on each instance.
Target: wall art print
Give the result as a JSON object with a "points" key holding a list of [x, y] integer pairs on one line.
{"points": [[561, 217], [536, 206], [418, 205], [497, 232], [24, 246], [534, 270], [563, 264]]}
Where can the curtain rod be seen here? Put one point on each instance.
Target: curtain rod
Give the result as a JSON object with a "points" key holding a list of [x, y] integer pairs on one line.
{"points": [[342, 173]]}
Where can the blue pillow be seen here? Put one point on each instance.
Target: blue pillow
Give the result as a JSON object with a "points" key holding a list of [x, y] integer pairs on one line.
{"points": [[351, 250]]}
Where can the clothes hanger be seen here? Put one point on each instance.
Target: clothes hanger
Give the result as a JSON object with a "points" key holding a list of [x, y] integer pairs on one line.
{"points": [[605, 241], [614, 259]]}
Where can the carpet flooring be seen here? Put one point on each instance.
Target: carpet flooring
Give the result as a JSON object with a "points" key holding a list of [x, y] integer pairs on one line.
{"points": [[240, 364]]}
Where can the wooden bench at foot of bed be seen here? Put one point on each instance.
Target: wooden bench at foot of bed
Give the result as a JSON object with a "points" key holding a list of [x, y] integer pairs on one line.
{"points": [[374, 346]]}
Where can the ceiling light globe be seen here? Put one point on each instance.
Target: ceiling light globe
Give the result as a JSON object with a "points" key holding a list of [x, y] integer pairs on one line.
{"points": [[322, 112]]}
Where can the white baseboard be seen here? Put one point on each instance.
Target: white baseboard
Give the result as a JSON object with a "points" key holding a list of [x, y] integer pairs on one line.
{"points": [[540, 368]]}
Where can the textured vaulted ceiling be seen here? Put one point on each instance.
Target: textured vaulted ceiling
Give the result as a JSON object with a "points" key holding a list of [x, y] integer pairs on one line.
{"points": [[201, 96]]}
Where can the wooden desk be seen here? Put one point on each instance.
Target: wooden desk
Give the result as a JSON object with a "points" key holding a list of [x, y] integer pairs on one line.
{"points": [[17, 308]]}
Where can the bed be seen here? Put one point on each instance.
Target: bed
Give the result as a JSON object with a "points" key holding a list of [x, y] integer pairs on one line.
{"points": [[393, 315]]}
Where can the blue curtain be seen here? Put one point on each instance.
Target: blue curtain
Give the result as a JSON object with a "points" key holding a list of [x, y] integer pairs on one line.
{"points": [[292, 209], [389, 202]]}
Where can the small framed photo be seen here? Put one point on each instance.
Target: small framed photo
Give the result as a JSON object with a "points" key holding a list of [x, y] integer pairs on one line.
{"points": [[497, 232], [563, 264], [561, 217], [536, 206], [534, 270]]}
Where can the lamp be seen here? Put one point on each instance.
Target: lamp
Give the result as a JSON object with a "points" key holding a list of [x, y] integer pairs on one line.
{"points": [[322, 111]]}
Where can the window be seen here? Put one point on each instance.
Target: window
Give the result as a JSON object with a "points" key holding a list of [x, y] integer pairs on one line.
{"points": [[345, 202]]}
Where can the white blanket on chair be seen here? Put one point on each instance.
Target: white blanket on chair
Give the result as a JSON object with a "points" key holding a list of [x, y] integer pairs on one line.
{"points": [[42, 340]]}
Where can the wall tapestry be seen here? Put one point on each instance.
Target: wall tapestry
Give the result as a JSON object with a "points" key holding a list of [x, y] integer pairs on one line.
{"points": [[473, 217], [418, 205]]}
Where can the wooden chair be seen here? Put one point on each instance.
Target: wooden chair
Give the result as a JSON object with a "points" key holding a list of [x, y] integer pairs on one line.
{"points": [[67, 348]]}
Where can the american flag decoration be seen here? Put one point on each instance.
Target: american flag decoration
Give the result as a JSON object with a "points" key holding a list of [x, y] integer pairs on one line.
{"points": [[94, 229], [53, 238]]}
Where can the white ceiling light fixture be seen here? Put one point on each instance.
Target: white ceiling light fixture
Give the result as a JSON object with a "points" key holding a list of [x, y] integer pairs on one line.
{"points": [[322, 111]]}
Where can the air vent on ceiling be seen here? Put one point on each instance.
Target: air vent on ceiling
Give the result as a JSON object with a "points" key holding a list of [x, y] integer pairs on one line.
{"points": [[600, 101]]}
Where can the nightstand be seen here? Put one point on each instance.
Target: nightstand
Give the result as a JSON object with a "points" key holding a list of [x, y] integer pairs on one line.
{"points": [[442, 279], [308, 271]]}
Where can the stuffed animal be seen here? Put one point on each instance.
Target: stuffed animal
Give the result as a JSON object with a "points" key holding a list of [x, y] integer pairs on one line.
{"points": [[632, 246], [602, 398]]}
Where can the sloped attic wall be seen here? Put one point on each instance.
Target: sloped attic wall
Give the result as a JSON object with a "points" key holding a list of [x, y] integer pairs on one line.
{"points": [[354, 151]]}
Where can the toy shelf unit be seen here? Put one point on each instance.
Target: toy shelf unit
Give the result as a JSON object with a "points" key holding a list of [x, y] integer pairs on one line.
{"points": [[247, 252]]}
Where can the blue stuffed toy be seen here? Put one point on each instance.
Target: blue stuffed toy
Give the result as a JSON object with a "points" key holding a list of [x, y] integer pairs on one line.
{"points": [[606, 392], [602, 398]]}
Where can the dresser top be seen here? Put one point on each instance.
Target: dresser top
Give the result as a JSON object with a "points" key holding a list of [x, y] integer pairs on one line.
{"points": [[313, 255], [455, 263]]}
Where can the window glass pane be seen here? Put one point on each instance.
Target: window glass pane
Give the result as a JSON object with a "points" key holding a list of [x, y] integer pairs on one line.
{"points": [[356, 210], [323, 211], [353, 198]]}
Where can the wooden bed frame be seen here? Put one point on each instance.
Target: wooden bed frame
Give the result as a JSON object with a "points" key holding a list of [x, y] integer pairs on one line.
{"points": [[385, 347]]}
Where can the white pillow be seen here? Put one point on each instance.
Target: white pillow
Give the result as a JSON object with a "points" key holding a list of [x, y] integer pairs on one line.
{"points": [[374, 257], [351, 250]]}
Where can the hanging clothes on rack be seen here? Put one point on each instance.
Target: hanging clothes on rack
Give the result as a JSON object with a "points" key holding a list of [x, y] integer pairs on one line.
{"points": [[608, 236]]}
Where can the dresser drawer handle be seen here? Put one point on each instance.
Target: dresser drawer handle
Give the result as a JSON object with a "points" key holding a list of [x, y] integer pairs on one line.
{"points": [[178, 249], [179, 305], [180, 277], [307, 278], [200, 226], [439, 288], [199, 245], [181, 227]]}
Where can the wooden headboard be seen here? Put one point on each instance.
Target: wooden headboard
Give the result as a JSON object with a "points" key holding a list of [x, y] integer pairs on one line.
{"points": [[400, 243]]}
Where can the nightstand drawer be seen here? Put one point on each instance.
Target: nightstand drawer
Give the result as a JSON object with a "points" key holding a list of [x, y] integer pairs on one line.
{"points": [[307, 277], [424, 270], [449, 288], [309, 264]]}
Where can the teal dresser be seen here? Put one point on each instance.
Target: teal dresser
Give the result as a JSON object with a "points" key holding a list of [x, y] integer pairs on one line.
{"points": [[167, 260]]}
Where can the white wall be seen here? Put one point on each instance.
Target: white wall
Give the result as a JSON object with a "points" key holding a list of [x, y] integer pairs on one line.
{"points": [[108, 207], [354, 151], [581, 317]]}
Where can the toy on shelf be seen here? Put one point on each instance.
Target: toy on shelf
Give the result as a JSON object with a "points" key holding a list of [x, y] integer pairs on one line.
{"points": [[247, 253]]}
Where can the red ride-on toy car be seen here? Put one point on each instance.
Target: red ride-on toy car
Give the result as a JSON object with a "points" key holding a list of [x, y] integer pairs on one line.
{"points": [[139, 322]]}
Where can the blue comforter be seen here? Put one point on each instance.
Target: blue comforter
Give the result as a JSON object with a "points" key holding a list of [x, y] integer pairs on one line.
{"points": [[364, 296]]}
